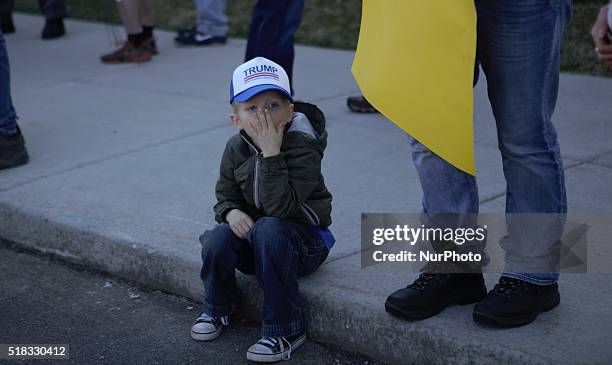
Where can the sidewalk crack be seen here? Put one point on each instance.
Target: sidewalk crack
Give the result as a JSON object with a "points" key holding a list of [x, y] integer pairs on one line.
{"points": [[114, 156]]}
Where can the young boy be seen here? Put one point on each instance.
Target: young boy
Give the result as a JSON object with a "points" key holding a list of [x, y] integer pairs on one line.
{"points": [[273, 210]]}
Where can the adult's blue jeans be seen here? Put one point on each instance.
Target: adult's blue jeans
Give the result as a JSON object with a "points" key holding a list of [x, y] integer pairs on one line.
{"points": [[278, 252], [273, 24], [518, 48], [212, 17], [7, 111]]}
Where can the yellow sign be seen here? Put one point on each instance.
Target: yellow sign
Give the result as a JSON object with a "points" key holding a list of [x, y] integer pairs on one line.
{"points": [[415, 64]]}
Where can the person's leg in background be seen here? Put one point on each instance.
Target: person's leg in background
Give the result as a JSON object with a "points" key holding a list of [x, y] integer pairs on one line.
{"points": [[132, 50], [129, 10], [212, 18], [273, 25], [519, 49], [147, 20], [54, 11], [7, 111], [6, 16], [12, 145], [211, 28]]}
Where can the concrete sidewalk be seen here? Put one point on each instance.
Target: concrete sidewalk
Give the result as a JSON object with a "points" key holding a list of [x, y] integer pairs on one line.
{"points": [[124, 160]]}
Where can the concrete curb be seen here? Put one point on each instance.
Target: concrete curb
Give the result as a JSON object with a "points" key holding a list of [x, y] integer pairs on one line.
{"points": [[333, 315]]}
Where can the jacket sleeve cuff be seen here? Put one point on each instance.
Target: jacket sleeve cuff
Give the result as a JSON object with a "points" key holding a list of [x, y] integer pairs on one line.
{"points": [[222, 211], [273, 163]]}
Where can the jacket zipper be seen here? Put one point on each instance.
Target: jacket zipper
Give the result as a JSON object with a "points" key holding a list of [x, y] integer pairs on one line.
{"points": [[255, 184], [256, 173]]}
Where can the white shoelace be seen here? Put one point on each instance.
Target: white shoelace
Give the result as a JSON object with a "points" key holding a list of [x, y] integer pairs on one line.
{"points": [[288, 352], [275, 341], [225, 320], [205, 317]]}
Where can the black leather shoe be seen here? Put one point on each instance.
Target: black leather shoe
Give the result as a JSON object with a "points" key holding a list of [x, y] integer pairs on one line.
{"points": [[515, 303], [359, 104], [430, 293], [12, 150], [54, 28]]}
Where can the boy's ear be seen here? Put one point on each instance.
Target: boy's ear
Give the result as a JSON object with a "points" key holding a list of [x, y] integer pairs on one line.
{"points": [[290, 111], [234, 120]]}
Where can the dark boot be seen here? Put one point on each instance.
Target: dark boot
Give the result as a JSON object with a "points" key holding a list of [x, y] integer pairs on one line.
{"points": [[515, 302], [54, 28], [430, 293], [6, 23], [359, 104], [12, 150]]}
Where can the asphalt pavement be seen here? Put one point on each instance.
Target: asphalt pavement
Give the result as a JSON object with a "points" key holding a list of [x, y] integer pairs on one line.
{"points": [[108, 320]]}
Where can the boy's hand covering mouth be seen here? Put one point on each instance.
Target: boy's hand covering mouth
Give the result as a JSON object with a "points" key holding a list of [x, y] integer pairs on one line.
{"points": [[265, 134]]}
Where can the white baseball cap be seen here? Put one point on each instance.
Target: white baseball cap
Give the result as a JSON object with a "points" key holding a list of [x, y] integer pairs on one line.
{"points": [[258, 75]]}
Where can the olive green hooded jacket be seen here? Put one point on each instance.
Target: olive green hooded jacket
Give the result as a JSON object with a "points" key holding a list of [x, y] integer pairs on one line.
{"points": [[289, 185]]}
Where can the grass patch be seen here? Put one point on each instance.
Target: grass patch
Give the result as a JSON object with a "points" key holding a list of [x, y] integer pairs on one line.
{"points": [[335, 24]]}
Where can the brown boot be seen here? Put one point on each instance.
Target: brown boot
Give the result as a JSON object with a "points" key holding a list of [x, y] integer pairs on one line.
{"points": [[127, 53]]}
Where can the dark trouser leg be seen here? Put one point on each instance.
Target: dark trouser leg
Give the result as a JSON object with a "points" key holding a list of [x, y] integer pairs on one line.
{"points": [[53, 9], [222, 253], [7, 111], [284, 251], [6, 7], [273, 24]]}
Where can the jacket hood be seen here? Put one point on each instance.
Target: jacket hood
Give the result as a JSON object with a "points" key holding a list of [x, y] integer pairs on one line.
{"points": [[315, 117]]}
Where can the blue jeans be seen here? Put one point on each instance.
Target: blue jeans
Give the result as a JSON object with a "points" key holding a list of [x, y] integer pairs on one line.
{"points": [[273, 24], [7, 111], [278, 252], [518, 48], [212, 18]]}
